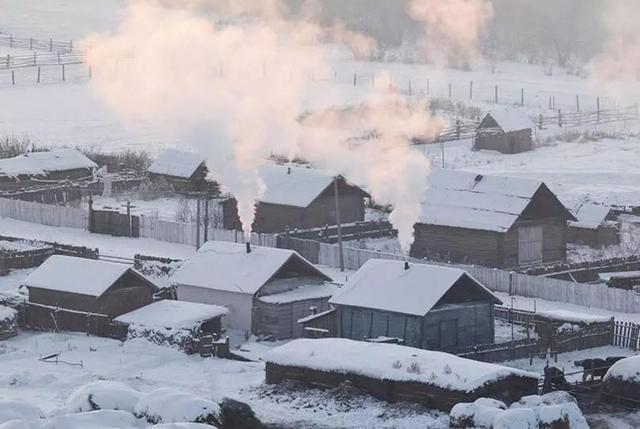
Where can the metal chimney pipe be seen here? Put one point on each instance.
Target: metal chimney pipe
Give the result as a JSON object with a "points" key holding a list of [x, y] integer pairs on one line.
{"points": [[248, 247]]}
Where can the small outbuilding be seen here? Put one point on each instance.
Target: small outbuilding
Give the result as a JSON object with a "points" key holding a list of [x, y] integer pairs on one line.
{"points": [[508, 131], [424, 306], [47, 167], [184, 171], [596, 226], [494, 221], [299, 197], [266, 290]]}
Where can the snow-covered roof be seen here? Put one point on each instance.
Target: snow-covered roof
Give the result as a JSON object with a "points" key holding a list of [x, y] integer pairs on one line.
{"points": [[176, 163], [387, 285], [476, 201], [590, 215], [293, 185], [619, 275], [76, 275], [41, 163], [301, 293], [172, 314], [573, 316], [510, 120], [227, 266], [380, 361]]}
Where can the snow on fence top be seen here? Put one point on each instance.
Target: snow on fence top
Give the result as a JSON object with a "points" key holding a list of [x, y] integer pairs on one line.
{"points": [[172, 314], [572, 316], [227, 266], [627, 369], [76, 275], [476, 201], [511, 120], [293, 185], [391, 362], [590, 215], [387, 285], [176, 163], [41, 163]]}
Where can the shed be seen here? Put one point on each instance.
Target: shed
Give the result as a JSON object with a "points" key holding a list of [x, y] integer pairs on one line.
{"points": [[424, 306], [184, 171], [596, 226], [265, 289], [84, 287], [628, 280], [507, 131], [395, 373], [490, 220], [299, 197], [50, 166]]}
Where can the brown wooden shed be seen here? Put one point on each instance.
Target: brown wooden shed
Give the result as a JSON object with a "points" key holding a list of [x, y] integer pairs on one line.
{"points": [[299, 197], [596, 226], [493, 221], [507, 131], [46, 167]]}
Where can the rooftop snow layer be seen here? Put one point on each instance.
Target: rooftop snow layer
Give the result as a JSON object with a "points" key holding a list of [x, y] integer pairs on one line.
{"points": [[227, 266], [379, 361], [76, 275], [619, 275], [40, 163], [172, 314], [468, 200], [590, 215], [176, 163], [293, 186], [387, 285], [301, 293], [572, 316], [510, 120]]}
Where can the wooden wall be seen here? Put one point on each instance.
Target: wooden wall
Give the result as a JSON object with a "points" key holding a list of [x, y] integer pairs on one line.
{"points": [[129, 293], [507, 143], [281, 320], [604, 235]]}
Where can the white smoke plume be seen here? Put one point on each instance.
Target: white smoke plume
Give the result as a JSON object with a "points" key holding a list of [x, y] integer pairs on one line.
{"points": [[234, 93], [452, 28]]}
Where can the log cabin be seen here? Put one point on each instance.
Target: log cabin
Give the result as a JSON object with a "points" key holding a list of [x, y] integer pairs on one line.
{"points": [[508, 131], [494, 221], [52, 166]]}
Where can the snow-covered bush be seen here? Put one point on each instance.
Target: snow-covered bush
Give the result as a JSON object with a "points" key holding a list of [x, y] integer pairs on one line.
{"points": [[172, 406], [479, 414], [18, 410], [516, 418], [103, 395], [101, 419]]}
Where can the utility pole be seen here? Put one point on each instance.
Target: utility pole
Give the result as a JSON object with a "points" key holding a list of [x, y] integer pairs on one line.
{"points": [[198, 224], [206, 220], [337, 197]]}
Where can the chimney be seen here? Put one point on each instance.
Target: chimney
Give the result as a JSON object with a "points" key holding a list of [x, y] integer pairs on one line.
{"points": [[248, 247], [288, 170], [406, 265]]}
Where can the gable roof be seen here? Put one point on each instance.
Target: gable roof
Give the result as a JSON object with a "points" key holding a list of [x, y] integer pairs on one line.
{"points": [[475, 201], [176, 163], [172, 314], [76, 275], [228, 267], [41, 163], [590, 215], [387, 285], [509, 120]]}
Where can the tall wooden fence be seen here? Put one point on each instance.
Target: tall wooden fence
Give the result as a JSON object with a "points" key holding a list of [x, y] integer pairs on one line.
{"points": [[44, 214]]}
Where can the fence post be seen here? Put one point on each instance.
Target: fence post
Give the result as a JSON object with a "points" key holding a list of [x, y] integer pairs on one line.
{"points": [[50, 45], [560, 118], [522, 97], [63, 74], [38, 74], [355, 79], [578, 103], [449, 89], [30, 43], [496, 94], [598, 108], [8, 60], [11, 41], [540, 120], [35, 57], [458, 129], [471, 90], [13, 77]]}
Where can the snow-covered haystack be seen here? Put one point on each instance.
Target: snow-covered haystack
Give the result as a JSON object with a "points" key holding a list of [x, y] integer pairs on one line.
{"points": [[8, 322], [623, 378], [557, 410], [171, 406], [103, 395], [101, 419]]}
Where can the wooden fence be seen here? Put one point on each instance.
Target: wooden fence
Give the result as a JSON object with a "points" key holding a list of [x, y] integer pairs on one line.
{"points": [[37, 44], [44, 214], [35, 59], [625, 334]]}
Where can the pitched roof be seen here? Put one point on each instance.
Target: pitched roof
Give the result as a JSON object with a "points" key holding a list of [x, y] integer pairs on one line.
{"points": [[176, 163], [590, 215], [172, 314], [227, 266], [293, 185], [475, 201], [387, 285], [510, 120], [40, 163], [76, 275]]}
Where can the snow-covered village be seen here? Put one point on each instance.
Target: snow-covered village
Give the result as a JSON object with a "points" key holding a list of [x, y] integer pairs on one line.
{"points": [[323, 214]]}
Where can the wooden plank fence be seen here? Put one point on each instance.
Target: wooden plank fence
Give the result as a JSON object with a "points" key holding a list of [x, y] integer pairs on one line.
{"points": [[37, 44], [625, 334], [44, 214]]}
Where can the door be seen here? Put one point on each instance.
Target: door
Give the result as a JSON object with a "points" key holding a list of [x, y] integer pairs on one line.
{"points": [[529, 245], [448, 334]]}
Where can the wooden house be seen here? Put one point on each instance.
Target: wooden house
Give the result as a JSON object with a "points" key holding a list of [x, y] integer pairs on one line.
{"points": [[490, 220], [184, 171], [80, 288], [507, 131], [52, 166], [265, 289], [424, 306], [299, 197], [596, 226]]}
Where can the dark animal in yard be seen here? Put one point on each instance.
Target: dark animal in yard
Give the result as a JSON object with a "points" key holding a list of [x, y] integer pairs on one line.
{"points": [[593, 368], [554, 380], [613, 359]]}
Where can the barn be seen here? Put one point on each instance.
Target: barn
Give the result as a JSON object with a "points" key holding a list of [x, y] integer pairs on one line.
{"points": [[184, 171], [41, 167], [507, 131], [299, 197], [265, 289], [494, 221], [423, 306], [78, 288], [596, 226]]}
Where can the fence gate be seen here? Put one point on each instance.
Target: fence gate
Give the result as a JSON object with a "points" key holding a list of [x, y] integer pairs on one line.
{"points": [[114, 223]]}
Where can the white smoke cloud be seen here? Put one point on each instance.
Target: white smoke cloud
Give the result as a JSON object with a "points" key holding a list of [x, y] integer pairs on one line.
{"points": [[234, 93]]}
